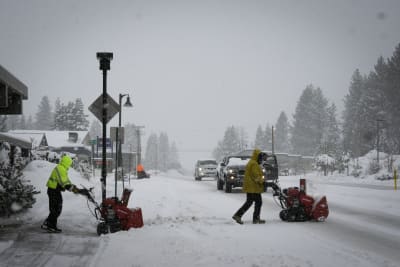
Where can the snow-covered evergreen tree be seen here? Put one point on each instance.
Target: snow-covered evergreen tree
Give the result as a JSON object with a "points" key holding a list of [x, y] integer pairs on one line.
{"points": [[44, 116], [392, 93], [64, 118], [331, 143], [282, 134], [163, 151], [259, 141], [151, 155], [15, 195], [80, 122], [309, 122], [267, 138]]}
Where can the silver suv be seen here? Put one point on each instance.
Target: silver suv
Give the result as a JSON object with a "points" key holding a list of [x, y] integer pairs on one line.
{"points": [[205, 168]]}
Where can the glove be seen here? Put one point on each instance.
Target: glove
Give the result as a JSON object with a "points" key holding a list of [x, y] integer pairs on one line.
{"points": [[83, 192], [74, 189]]}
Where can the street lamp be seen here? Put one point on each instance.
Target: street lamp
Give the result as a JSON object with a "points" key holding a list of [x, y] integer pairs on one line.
{"points": [[119, 152]]}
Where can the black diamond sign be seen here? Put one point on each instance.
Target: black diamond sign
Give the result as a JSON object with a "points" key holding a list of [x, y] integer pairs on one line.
{"points": [[97, 108]]}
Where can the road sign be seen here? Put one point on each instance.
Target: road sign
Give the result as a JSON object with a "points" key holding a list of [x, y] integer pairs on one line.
{"points": [[108, 143], [97, 108]]}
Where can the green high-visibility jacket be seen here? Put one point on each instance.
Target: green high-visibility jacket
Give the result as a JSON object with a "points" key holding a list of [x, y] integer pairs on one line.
{"points": [[59, 176], [253, 176]]}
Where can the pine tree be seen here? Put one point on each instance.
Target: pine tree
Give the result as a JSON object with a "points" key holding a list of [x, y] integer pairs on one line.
{"points": [[331, 136], [309, 121], [259, 141], [267, 138], [151, 155], [80, 123], [15, 195], [230, 144], [163, 151], [64, 118], [242, 138], [282, 134], [44, 115], [392, 90]]}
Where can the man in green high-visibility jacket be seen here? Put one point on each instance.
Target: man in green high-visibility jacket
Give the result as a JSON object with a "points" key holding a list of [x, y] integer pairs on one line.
{"points": [[58, 182]]}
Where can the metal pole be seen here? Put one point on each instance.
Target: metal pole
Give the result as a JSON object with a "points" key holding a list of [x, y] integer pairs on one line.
{"points": [[104, 145], [119, 141], [116, 164], [130, 163], [104, 59], [272, 139]]}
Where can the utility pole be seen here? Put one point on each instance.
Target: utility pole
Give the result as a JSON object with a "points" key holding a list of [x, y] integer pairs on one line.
{"points": [[139, 145], [272, 137]]}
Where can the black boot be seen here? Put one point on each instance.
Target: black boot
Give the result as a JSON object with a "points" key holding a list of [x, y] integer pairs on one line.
{"points": [[258, 221], [237, 218]]}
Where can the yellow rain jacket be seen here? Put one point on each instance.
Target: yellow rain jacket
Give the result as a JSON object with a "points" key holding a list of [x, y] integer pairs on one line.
{"points": [[59, 176], [253, 175]]}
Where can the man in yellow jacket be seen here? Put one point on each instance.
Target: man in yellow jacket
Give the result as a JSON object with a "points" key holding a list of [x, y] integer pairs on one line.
{"points": [[253, 186], [58, 182]]}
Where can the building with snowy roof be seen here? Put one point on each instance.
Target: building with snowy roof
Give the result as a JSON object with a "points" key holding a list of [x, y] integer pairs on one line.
{"points": [[75, 142]]}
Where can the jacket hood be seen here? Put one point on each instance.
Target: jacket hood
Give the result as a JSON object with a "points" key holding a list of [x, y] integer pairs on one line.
{"points": [[66, 161], [256, 152]]}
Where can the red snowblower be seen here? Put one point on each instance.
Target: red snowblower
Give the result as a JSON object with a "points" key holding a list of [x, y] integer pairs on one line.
{"points": [[297, 206], [113, 214]]}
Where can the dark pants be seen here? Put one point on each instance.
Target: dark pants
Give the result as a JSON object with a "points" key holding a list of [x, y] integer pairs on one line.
{"points": [[250, 198], [55, 206]]}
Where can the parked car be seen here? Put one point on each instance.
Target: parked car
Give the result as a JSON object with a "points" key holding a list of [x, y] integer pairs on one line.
{"points": [[232, 172], [205, 168]]}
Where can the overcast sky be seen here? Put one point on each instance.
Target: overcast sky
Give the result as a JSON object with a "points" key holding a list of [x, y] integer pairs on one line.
{"points": [[193, 68]]}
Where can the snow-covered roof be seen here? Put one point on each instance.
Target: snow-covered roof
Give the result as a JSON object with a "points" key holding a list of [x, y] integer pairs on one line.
{"points": [[16, 140], [55, 138]]}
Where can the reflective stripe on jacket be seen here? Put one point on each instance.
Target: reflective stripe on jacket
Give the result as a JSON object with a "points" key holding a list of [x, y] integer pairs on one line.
{"points": [[59, 175], [253, 176]]}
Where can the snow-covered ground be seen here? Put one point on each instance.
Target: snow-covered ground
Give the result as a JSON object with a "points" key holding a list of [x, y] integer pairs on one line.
{"points": [[188, 223]]}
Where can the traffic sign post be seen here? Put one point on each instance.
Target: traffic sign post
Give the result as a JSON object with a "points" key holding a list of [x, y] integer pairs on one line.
{"points": [[104, 59]]}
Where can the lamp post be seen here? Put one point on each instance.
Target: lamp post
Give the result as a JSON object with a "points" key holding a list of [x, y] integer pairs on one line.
{"points": [[104, 59], [119, 152]]}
